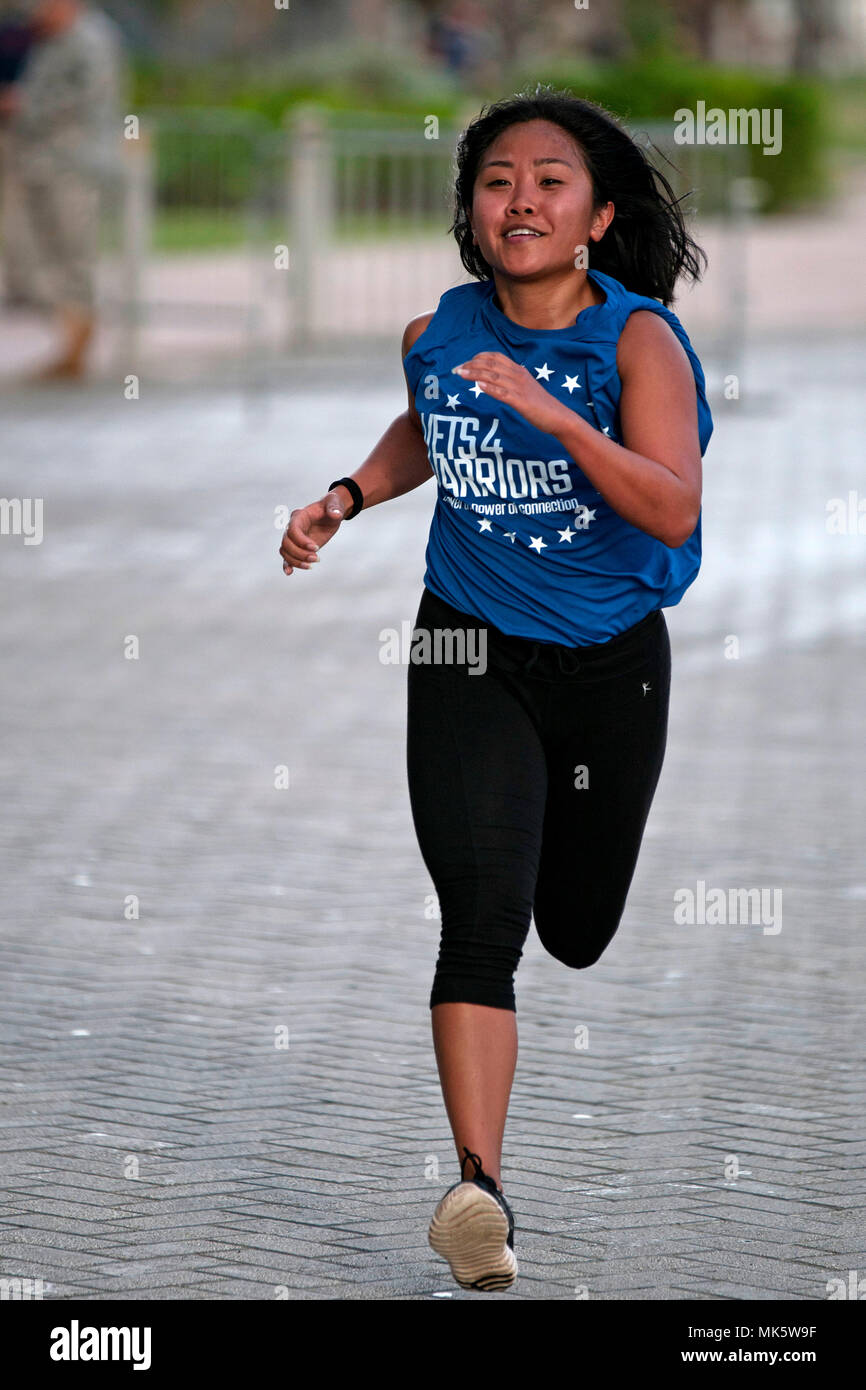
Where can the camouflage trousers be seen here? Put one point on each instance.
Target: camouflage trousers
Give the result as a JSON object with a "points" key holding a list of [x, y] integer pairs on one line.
{"points": [[50, 233]]}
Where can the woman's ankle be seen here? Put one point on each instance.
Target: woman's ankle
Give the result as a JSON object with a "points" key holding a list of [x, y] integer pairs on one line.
{"points": [[494, 1177]]}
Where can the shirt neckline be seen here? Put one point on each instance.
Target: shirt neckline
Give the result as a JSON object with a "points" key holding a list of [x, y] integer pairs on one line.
{"points": [[591, 313]]}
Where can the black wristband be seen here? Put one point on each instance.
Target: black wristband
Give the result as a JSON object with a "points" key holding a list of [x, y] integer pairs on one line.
{"points": [[357, 495]]}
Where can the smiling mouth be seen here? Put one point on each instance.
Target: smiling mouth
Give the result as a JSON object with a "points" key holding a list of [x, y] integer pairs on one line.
{"points": [[521, 236]]}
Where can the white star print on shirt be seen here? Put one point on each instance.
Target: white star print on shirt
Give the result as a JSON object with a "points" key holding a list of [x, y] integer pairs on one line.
{"points": [[583, 516], [476, 390], [452, 402], [570, 383], [543, 373]]}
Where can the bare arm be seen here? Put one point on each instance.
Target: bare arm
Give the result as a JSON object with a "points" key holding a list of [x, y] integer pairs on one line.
{"points": [[654, 478], [397, 464]]}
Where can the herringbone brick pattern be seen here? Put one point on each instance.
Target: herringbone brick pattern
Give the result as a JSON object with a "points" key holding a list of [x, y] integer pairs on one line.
{"points": [[161, 1137]]}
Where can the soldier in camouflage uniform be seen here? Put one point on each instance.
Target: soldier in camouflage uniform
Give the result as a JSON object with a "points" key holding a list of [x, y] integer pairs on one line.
{"points": [[19, 268], [63, 143]]}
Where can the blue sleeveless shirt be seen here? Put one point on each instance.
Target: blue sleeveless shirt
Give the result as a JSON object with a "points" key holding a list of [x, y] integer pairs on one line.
{"points": [[520, 537]]}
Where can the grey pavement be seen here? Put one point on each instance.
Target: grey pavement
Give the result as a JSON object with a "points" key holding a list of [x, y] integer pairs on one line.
{"points": [[233, 1094]]}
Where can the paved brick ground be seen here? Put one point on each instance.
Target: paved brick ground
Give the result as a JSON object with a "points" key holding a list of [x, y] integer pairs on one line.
{"points": [[155, 1141]]}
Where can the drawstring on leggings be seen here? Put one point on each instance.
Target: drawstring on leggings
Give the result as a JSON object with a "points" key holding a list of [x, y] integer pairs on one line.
{"points": [[530, 661], [569, 669]]}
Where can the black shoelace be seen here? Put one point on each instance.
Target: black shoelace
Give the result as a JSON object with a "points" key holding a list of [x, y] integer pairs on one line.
{"points": [[479, 1170]]}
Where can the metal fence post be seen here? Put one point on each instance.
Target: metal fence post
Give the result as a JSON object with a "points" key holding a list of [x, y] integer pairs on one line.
{"points": [[311, 211], [746, 198], [138, 214]]}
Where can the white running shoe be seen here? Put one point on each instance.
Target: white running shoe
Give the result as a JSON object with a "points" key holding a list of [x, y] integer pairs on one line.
{"points": [[473, 1229]]}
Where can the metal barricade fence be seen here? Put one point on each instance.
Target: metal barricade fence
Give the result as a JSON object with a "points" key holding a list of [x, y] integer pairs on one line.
{"points": [[334, 230], [372, 207], [188, 234]]}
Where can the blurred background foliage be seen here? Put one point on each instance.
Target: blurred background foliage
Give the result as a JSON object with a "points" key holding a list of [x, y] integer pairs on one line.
{"points": [[376, 63]]}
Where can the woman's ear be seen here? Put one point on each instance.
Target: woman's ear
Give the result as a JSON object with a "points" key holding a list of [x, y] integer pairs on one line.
{"points": [[602, 221]]}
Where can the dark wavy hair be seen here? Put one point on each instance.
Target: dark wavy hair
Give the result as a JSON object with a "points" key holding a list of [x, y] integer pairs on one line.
{"points": [[646, 246]]}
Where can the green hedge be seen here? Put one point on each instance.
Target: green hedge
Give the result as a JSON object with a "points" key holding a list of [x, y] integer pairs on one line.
{"points": [[796, 176], [635, 91], [382, 81]]}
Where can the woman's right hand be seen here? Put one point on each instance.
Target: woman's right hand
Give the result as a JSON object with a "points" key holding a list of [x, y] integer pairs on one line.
{"points": [[310, 528]]}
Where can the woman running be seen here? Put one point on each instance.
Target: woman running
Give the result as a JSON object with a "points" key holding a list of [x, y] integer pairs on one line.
{"points": [[558, 403]]}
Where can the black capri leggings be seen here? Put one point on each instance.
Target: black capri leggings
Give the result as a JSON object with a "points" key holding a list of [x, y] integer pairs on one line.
{"points": [[530, 784]]}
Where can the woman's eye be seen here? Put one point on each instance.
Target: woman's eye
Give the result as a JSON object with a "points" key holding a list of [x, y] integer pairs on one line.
{"points": [[548, 178]]}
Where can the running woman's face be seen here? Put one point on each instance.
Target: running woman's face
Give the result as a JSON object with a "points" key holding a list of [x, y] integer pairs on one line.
{"points": [[533, 176]]}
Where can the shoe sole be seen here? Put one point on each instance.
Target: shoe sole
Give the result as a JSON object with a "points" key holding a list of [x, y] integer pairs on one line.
{"points": [[469, 1229]]}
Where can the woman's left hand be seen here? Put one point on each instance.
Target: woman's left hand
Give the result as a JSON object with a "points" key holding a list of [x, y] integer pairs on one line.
{"points": [[515, 385]]}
